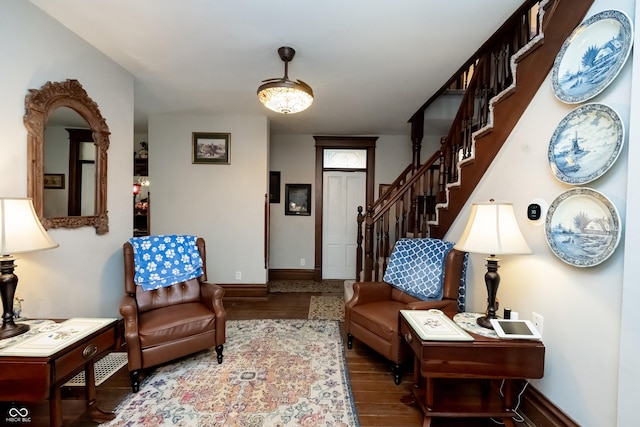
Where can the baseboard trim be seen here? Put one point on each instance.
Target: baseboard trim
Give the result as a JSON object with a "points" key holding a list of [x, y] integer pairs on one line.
{"points": [[244, 291], [291, 274], [541, 412]]}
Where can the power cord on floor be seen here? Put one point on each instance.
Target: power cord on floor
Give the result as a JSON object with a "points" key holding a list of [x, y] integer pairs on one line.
{"points": [[517, 418]]}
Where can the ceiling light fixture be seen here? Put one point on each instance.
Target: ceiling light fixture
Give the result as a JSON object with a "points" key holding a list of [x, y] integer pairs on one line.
{"points": [[283, 95]]}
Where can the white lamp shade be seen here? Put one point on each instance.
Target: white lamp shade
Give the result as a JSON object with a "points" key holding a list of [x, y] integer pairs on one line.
{"points": [[493, 229], [20, 228]]}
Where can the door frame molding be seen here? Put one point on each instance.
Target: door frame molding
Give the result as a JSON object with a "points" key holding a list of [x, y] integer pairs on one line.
{"points": [[344, 142]]}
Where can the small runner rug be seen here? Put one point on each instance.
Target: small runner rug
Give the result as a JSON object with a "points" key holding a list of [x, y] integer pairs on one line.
{"points": [[326, 307], [285, 372], [325, 286]]}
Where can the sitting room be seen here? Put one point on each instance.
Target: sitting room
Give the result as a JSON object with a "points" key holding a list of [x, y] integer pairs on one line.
{"points": [[294, 308]]}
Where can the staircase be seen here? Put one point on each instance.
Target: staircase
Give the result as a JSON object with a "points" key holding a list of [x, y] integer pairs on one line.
{"points": [[425, 199]]}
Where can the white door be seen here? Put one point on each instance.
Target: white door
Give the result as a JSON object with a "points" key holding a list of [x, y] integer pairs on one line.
{"points": [[342, 192]]}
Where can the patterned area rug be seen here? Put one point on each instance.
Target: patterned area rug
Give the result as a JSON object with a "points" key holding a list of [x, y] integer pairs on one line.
{"points": [[326, 307], [326, 286], [284, 372]]}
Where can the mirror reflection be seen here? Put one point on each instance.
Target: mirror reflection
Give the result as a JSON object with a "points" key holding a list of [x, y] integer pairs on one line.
{"points": [[69, 165]]}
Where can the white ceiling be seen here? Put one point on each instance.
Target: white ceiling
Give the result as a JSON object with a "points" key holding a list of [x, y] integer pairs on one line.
{"points": [[371, 63]]}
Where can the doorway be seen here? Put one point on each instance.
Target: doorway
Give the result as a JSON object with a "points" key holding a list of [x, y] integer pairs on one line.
{"points": [[343, 192], [322, 215]]}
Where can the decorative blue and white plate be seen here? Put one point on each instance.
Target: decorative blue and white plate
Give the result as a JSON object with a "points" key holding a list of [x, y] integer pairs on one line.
{"points": [[586, 143], [592, 56], [582, 227]]}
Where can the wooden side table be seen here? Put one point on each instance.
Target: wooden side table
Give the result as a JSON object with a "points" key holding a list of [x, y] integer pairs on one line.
{"points": [[34, 367], [451, 377]]}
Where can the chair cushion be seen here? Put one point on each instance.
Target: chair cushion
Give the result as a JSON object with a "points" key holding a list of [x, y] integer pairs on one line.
{"points": [[416, 267], [381, 317], [173, 323]]}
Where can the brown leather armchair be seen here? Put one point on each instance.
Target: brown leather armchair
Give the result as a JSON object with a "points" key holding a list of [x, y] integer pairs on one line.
{"points": [[372, 314], [164, 324]]}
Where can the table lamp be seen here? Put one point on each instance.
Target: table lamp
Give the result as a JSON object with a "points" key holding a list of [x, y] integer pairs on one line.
{"points": [[492, 229], [20, 231]]}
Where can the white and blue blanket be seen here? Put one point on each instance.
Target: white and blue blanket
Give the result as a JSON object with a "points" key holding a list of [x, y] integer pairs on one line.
{"points": [[165, 260], [416, 266]]}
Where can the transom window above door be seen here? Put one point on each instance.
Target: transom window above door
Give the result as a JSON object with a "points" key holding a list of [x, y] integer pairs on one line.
{"points": [[344, 158]]}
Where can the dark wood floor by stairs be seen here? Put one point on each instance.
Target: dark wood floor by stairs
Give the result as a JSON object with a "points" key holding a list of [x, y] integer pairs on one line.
{"points": [[377, 398]]}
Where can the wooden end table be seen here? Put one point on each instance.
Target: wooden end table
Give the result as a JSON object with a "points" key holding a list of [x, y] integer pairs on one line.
{"points": [[452, 378], [35, 365]]}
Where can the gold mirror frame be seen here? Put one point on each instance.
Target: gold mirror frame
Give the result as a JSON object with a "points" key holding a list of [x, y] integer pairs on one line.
{"points": [[39, 104]]}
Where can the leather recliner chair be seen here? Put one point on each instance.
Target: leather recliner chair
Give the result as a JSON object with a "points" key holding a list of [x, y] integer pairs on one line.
{"points": [[373, 313], [164, 324]]}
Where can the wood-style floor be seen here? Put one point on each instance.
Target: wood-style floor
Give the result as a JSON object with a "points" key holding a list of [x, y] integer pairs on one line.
{"points": [[377, 398]]}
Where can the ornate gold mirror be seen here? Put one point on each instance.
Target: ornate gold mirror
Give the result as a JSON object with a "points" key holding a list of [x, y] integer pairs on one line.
{"points": [[67, 143]]}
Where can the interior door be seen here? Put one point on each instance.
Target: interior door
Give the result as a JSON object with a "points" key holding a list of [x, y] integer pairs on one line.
{"points": [[342, 193]]}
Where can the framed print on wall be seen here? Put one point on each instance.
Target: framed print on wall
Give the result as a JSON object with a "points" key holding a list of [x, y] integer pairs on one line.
{"points": [[274, 187], [211, 148], [54, 181], [297, 199]]}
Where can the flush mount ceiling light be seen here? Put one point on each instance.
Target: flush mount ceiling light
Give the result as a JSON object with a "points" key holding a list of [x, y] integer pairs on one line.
{"points": [[283, 95]]}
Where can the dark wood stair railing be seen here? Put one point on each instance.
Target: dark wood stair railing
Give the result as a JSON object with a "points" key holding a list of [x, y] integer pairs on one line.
{"points": [[425, 200]]}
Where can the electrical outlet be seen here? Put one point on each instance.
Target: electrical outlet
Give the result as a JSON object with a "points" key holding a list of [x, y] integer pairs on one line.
{"points": [[538, 321], [303, 262], [238, 275]]}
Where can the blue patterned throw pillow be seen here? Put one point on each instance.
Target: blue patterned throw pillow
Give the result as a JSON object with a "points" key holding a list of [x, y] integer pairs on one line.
{"points": [[416, 266], [165, 260]]}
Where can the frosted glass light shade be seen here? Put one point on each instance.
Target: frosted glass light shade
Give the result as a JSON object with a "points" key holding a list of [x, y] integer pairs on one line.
{"points": [[20, 228], [492, 229], [285, 97]]}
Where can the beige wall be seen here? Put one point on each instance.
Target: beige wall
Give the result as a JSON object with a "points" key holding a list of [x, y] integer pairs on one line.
{"points": [[83, 276], [222, 203]]}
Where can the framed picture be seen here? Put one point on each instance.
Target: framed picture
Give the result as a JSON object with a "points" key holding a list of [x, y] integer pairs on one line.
{"points": [[297, 199], [211, 148], [54, 180], [274, 187]]}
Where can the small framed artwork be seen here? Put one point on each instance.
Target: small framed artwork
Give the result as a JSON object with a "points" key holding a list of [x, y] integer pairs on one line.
{"points": [[54, 181], [297, 199], [211, 148], [274, 187]]}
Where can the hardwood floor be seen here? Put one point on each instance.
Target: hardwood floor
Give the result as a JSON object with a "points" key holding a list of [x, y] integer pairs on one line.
{"points": [[377, 399]]}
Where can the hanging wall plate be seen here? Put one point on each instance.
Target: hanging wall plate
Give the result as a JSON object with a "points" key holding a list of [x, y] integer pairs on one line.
{"points": [[586, 144], [582, 227], [592, 56]]}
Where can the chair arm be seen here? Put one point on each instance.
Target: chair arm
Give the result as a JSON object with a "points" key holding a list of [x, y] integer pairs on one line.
{"points": [[129, 312], [367, 292], [212, 297]]}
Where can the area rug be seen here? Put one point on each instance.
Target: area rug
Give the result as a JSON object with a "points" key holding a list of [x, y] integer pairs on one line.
{"points": [[103, 368], [326, 307], [284, 372], [325, 286]]}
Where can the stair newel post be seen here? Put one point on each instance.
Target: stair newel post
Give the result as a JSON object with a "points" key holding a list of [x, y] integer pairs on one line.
{"points": [[368, 237], [360, 219]]}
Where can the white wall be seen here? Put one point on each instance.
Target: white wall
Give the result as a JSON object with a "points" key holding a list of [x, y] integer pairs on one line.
{"points": [[82, 277], [222, 203], [292, 237], [581, 306]]}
